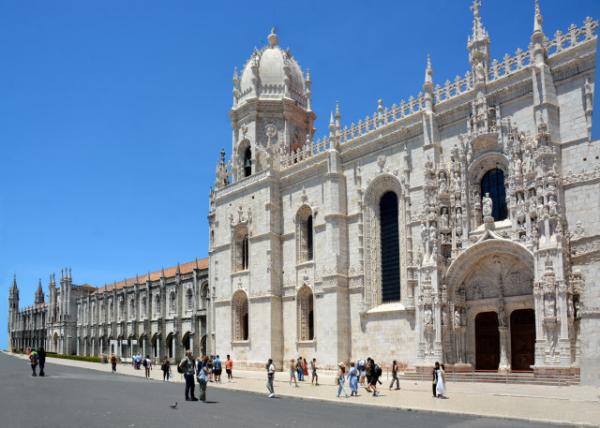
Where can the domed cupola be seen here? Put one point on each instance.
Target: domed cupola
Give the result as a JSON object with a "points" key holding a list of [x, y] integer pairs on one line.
{"points": [[272, 73]]}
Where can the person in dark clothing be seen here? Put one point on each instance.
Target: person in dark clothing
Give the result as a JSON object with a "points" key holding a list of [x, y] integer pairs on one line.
{"points": [[434, 384], [187, 365], [42, 360]]}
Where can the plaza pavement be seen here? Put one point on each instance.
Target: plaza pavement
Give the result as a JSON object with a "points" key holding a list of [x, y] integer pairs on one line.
{"points": [[561, 405]]}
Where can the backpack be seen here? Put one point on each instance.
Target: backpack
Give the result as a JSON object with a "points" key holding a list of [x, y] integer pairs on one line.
{"points": [[145, 363], [179, 368], [378, 371]]}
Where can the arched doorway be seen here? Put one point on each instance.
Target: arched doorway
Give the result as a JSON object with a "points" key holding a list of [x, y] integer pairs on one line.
{"points": [[487, 341], [170, 352], [522, 339], [155, 346], [186, 341]]}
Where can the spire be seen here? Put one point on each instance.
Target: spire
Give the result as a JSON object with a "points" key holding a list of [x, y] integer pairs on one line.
{"points": [[331, 125], [39, 294], [14, 283], [537, 20], [52, 280], [308, 86], [178, 271], [273, 39], [478, 46], [338, 117], [428, 82]]}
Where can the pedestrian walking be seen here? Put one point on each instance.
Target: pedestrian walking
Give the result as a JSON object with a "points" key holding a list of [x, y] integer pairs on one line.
{"points": [[113, 363], [434, 379], [362, 370], [313, 368], [440, 387], [33, 359], [374, 375], [229, 368], [186, 366], [42, 360], [304, 368], [353, 379], [293, 371], [202, 379], [395, 375], [147, 366], [341, 380], [166, 369], [270, 377], [209, 367]]}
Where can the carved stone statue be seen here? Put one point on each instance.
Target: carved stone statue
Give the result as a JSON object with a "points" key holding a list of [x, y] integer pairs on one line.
{"points": [[487, 205], [428, 317]]}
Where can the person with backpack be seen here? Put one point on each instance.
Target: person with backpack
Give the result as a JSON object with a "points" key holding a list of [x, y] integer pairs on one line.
{"points": [[186, 366], [166, 369], [376, 373], [147, 366], [42, 360], [217, 369], [33, 359], [270, 377]]}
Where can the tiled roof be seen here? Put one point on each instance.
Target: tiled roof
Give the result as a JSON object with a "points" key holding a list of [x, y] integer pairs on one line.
{"points": [[153, 276]]}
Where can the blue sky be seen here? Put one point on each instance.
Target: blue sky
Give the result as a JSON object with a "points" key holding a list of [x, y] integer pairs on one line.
{"points": [[112, 113]]}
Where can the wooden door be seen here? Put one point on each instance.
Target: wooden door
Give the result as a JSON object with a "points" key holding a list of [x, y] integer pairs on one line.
{"points": [[487, 341], [522, 339]]}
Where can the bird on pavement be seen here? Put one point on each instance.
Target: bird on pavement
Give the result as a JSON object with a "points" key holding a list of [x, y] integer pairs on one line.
{"points": [[174, 405]]}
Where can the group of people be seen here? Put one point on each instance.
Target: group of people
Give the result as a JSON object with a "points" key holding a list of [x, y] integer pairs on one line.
{"points": [[37, 358], [298, 369], [204, 370]]}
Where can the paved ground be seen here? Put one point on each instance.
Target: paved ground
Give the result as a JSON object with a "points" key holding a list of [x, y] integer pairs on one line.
{"points": [[75, 397]]}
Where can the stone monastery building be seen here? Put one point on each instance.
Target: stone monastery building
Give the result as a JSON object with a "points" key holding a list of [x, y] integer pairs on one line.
{"points": [[461, 225]]}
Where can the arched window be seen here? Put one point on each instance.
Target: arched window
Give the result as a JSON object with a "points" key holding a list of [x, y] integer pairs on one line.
{"points": [[189, 299], [172, 302], [157, 304], [121, 309], [240, 316], [245, 255], [204, 296], [390, 248], [493, 183], [144, 307], [306, 320], [247, 162], [304, 234], [132, 309]]}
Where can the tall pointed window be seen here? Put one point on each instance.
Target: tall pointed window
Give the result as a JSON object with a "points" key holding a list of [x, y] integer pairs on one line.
{"points": [[390, 248], [157, 304], [304, 234], [240, 316], [172, 302], [247, 162], [241, 254], [493, 183], [190, 299], [144, 307], [306, 320]]}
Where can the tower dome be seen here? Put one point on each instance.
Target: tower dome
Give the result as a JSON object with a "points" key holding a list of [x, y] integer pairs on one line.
{"points": [[271, 73]]}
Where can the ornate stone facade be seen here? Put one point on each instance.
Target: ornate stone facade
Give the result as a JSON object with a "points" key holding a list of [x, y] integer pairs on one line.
{"points": [[160, 314], [460, 225]]}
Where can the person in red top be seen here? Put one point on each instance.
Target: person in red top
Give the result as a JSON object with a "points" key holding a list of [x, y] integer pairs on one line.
{"points": [[229, 368]]}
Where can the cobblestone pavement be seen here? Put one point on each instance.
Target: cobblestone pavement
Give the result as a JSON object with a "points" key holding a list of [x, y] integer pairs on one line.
{"points": [[85, 394]]}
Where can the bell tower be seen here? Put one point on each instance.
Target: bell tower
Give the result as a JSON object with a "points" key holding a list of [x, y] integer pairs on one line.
{"points": [[13, 310], [271, 116]]}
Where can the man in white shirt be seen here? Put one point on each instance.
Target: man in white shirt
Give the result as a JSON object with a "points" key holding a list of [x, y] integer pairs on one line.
{"points": [[270, 377]]}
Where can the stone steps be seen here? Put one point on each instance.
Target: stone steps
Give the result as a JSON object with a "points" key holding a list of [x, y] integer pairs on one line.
{"points": [[494, 377]]}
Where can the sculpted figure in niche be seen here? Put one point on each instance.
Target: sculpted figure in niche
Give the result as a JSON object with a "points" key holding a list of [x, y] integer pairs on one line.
{"points": [[458, 221], [552, 205], [443, 183], [428, 317], [487, 205], [549, 307], [445, 317], [444, 219], [502, 319]]}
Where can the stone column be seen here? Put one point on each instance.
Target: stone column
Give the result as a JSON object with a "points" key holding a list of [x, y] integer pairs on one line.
{"points": [[564, 343], [504, 357]]}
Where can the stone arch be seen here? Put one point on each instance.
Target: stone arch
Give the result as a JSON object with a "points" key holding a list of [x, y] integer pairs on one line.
{"points": [[240, 316], [245, 160], [241, 247], [304, 234], [306, 316], [376, 189], [170, 344], [475, 172], [204, 295], [492, 276], [186, 340]]}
